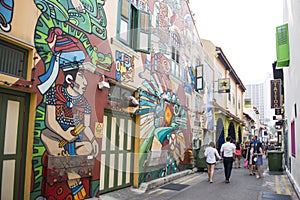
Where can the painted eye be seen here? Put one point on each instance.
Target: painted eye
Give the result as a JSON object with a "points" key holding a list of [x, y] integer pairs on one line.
{"points": [[176, 110]]}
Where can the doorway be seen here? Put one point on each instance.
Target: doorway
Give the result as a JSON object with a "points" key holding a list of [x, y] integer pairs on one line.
{"points": [[13, 139]]}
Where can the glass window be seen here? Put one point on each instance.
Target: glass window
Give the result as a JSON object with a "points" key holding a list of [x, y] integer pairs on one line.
{"points": [[125, 9], [134, 27]]}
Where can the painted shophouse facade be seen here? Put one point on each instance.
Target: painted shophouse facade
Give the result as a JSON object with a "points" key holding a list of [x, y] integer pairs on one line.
{"points": [[97, 95], [228, 95], [288, 62]]}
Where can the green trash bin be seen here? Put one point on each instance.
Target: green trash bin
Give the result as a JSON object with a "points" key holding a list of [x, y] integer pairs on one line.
{"points": [[275, 160]]}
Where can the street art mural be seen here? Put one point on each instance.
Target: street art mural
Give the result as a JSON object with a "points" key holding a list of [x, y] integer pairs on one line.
{"points": [[65, 143], [6, 14], [124, 67], [165, 135], [61, 20], [69, 35]]}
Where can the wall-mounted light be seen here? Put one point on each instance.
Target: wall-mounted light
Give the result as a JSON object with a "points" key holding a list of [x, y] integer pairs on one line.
{"points": [[103, 84]]}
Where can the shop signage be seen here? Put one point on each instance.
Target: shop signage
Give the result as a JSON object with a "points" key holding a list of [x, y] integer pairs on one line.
{"points": [[276, 93], [224, 85]]}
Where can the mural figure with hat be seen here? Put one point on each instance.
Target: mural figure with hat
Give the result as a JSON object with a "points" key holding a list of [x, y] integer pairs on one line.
{"points": [[67, 113], [75, 18]]}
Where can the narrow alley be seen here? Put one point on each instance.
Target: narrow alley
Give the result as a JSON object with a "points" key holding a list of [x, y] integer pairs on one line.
{"points": [[274, 185]]}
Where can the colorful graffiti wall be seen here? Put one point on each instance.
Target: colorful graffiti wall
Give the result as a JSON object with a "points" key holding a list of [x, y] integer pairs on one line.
{"points": [[71, 42], [167, 92], [74, 54]]}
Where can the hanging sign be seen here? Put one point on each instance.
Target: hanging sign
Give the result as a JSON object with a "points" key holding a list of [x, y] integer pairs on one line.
{"points": [[224, 85], [276, 93]]}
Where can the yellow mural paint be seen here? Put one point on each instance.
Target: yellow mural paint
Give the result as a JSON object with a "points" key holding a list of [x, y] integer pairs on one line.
{"points": [[62, 143], [98, 130], [77, 130]]}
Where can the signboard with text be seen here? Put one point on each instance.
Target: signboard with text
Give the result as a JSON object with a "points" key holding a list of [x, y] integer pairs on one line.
{"points": [[276, 93]]}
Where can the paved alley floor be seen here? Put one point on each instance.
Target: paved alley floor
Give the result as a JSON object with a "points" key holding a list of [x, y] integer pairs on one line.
{"points": [[272, 186]]}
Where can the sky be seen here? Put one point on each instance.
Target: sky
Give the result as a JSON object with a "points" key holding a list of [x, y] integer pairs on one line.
{"points": [[244, 29]]}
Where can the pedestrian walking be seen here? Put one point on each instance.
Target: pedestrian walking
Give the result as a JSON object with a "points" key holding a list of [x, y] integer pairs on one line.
{"points": [[251, 158], [238, 154], [245, 147], [255, 141], [211, 154], [228, 155], [259, 153]]}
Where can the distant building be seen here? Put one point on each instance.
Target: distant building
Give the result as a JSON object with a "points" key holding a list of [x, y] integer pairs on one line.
{"points": [[228, 95], [258, 94]]}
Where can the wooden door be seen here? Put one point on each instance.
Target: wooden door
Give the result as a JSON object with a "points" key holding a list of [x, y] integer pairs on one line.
{"points": [[117, 151], [13, 140]]}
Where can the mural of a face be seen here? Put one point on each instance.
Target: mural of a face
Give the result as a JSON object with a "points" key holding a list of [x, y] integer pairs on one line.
{"points": [[80, 83], [73, 18], [67, 34]]}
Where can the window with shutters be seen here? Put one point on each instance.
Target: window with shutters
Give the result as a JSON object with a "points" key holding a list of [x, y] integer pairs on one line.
{"points": [[13, 60], [133, 27]]}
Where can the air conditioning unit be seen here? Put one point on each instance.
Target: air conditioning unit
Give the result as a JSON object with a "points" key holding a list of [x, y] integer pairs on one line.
{"points": [[103, 85]]}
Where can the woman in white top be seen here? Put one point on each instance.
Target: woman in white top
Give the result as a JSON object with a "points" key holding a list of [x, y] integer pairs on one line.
{"points": [[211, 153]]}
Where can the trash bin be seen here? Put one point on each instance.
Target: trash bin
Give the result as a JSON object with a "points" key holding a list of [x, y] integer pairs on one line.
{"points": [[275, 160]]}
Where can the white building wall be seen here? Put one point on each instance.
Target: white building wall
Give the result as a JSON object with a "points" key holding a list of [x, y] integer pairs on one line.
{"points": [[268, 112], [292, 83]]}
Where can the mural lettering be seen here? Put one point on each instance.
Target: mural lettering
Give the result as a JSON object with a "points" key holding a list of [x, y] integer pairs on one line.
{"points": [[124, 67]]}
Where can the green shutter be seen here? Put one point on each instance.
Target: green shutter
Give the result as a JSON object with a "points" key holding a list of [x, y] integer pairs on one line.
{"points": [[143, 32], [282, 46], [123, 27]]}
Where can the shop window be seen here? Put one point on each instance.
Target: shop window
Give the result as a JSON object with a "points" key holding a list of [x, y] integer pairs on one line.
{"points": [[120, 97]]}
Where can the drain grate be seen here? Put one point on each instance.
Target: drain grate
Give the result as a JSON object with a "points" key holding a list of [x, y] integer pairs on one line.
{"points": [[174, 186], [273, 196]]}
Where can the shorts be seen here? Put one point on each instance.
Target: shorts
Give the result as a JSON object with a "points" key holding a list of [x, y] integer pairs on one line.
{"points": [[210, 163]]}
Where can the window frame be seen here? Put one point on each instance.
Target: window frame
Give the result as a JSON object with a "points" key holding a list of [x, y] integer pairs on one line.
{"points": [[175, 62], [20, 50], [134, 29], [293, 139]]}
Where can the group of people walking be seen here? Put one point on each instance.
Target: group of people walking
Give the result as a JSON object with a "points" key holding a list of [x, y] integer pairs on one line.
{"points": [[231, 152], [254, 153]]}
